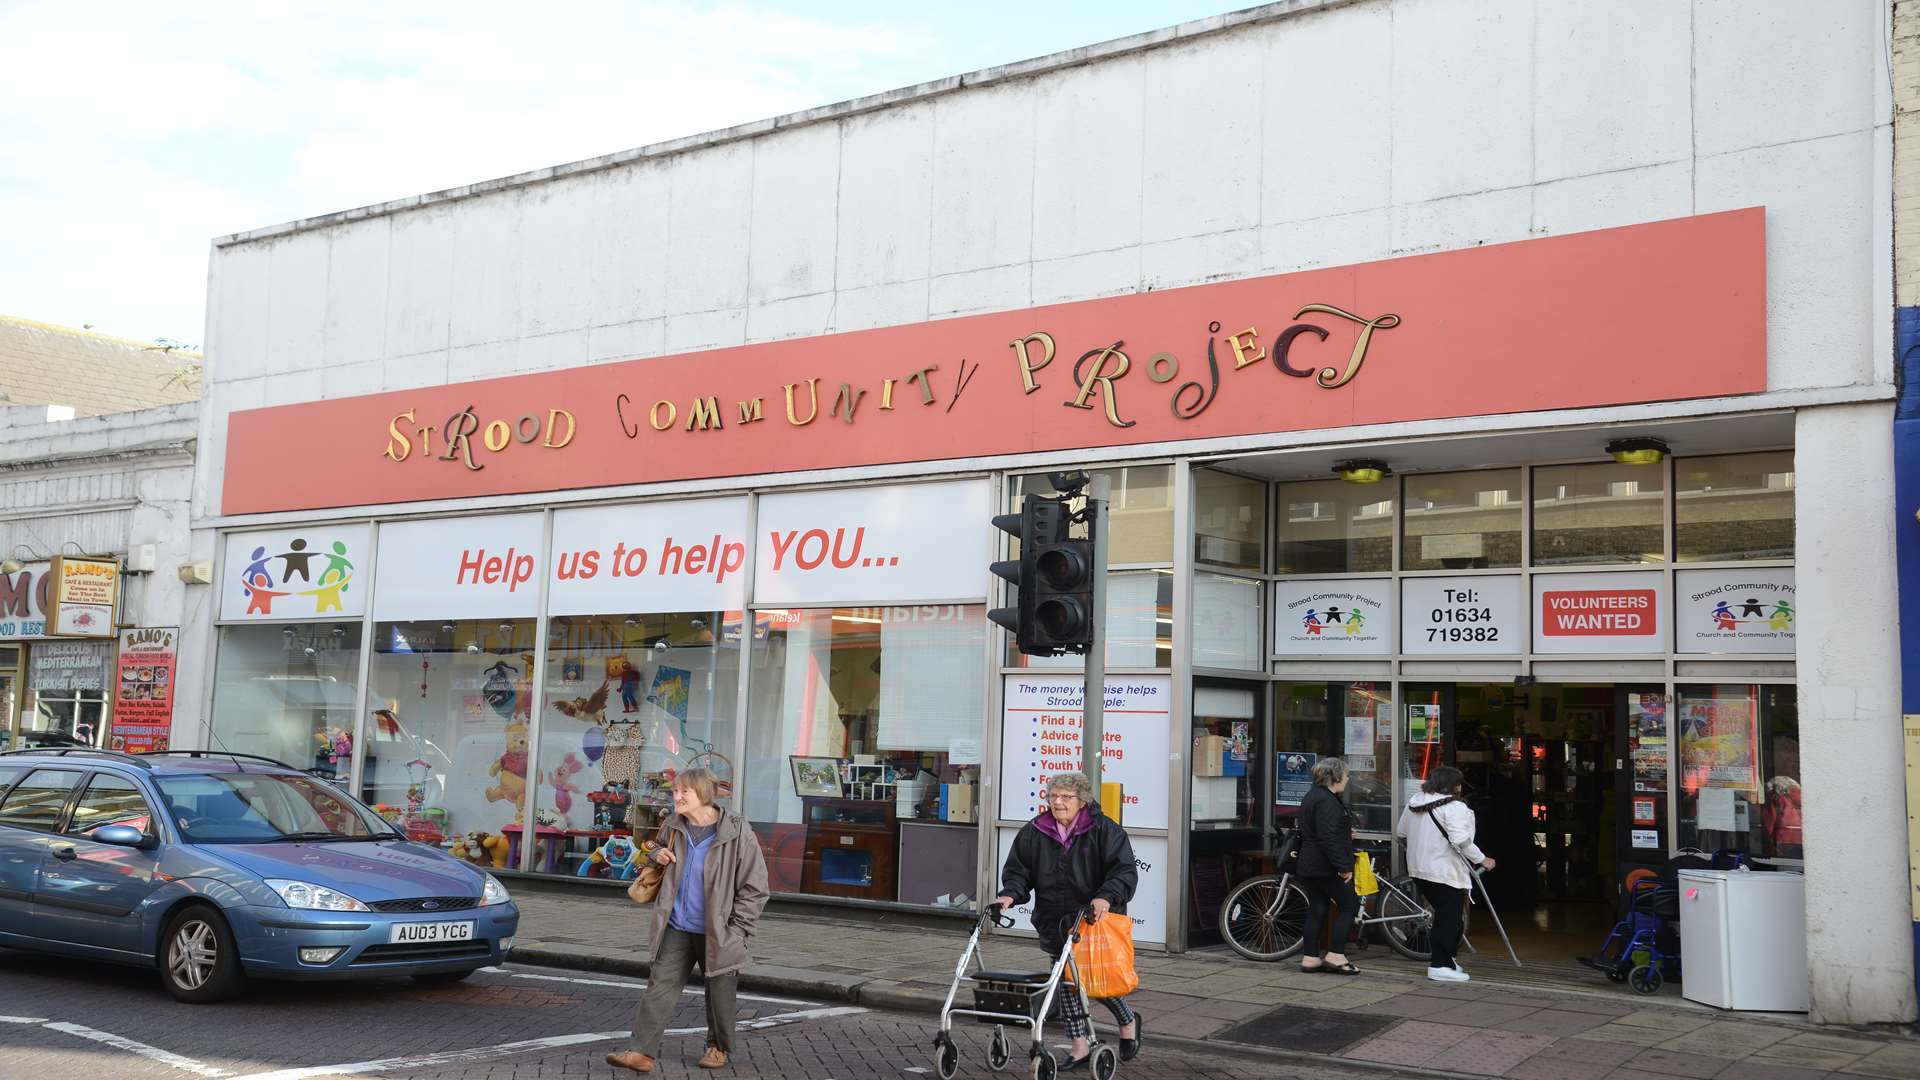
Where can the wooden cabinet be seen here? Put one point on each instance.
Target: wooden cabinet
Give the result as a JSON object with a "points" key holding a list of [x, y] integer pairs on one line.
{"points": [[852, 847]]}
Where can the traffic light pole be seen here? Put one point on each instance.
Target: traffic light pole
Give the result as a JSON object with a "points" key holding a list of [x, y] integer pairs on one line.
{"points": [[1093, 730]]}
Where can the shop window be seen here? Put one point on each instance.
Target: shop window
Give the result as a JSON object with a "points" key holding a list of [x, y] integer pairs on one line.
{"points": [[864, 750], [1140, 505], [447, 745], [1227, 622], [1462, 521], [1230, 520], [631, 702], [1139, 625], [1739, 768], [1598, 514], [288, 693], [1333, 527], [68, 681], [1739, 506], [1350, 720]]}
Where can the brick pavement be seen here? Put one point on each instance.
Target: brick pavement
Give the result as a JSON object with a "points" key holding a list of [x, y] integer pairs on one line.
{"points": [[1590, 1031]]}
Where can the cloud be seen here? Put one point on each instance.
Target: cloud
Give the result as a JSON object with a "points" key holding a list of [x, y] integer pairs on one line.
{"points": [[135, 133]]}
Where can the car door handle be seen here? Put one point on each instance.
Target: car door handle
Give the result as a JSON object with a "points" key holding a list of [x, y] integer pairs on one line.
{"points": [[64, 854]]}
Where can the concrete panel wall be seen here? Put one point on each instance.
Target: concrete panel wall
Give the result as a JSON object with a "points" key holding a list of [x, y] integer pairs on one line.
{"points": [[1322, 137]]}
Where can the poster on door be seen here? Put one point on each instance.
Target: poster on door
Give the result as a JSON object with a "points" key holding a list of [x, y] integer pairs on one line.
{"points": [[143, 693], [1734, 611], [1040, 737], [1345, 617], [1451, 616], [1147, 909], [1647, 741], [1719, 743], [1599, 613]]}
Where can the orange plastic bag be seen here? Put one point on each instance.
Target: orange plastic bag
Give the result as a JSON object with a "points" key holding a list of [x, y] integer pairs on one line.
{"points": [[1104, 957]]}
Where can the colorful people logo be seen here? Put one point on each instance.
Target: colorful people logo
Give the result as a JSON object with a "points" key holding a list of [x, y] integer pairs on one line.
{"points": [[257, 580], [1726, 618], [1356, 622], [1312, 622]]}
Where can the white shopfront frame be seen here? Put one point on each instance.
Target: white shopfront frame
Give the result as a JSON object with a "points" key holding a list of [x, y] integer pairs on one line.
{"points": [[1666, 669]]}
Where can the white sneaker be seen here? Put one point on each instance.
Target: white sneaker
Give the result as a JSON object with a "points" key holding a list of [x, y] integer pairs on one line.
{"points": [[1452, 974]]}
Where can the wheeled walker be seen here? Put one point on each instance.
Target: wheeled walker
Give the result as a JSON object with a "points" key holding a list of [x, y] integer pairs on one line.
{"points": [[1023, 998]]}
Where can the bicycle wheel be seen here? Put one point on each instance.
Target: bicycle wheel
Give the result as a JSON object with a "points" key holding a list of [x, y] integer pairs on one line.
{"points": [[1265, 918], [1409, 932]]}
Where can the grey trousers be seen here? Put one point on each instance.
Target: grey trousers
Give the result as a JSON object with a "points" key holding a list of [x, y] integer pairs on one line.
{"points": [[674, 956]]}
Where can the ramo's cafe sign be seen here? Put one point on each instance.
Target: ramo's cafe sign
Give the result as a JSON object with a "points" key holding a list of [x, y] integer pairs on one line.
{"points": [[1662, 311]]}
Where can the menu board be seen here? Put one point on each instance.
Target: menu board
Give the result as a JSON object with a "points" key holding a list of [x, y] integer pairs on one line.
{"points": [[143, 694]]}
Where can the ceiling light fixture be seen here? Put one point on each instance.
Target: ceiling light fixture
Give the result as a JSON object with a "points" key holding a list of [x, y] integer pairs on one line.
{"points": [[1363, 471], [1637, 451]]}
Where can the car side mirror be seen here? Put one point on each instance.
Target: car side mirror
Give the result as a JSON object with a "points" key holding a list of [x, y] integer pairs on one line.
{"points": [[120, 836]]}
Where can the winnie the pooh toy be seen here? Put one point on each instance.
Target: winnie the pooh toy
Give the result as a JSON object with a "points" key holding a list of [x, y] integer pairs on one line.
{"points": [[510, 772]]}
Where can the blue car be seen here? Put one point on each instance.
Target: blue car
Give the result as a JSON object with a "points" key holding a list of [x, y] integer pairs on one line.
{"points": [[214, 868]]}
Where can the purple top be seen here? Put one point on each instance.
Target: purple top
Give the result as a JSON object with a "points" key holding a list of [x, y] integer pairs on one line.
{"points": [[1064, 835]]}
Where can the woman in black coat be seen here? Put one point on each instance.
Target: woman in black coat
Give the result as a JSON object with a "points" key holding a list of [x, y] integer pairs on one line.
{"points": [[1325, 871], [1068, 858]]}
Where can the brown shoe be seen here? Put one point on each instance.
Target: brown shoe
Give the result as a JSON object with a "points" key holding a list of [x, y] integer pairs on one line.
{"points": [[630, 1059], [714, 1058]]}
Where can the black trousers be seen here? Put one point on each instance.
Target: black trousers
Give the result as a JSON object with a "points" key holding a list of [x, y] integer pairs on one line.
{"points": [[1449, 920], [1323, 893]]}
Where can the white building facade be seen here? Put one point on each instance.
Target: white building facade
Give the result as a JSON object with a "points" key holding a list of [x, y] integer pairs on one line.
{"points": [[524, 496]]}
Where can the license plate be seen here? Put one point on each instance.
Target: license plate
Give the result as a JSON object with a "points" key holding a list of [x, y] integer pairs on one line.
{"points": [[414, 933]]}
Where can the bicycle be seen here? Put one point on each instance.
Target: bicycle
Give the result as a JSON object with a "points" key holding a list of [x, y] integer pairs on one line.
{"points": [[1264, 918]]}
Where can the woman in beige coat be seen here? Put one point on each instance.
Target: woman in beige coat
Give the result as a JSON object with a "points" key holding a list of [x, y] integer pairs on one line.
{"points": [[711, 897]]}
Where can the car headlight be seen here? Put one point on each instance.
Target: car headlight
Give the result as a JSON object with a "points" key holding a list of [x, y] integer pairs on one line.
{"points": [[493, 892], [301, 894]]}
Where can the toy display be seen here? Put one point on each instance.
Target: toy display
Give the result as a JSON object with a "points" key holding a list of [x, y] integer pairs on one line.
{"points": [[510, 772], [616, 859], [481, 849], [564, 789], [610, 807]]}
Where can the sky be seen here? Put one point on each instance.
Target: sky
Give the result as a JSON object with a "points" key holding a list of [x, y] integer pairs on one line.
{"points": [[132, 134]]}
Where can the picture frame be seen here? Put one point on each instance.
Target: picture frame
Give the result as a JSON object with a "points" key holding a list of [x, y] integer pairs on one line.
{"points": [[817, 777]]}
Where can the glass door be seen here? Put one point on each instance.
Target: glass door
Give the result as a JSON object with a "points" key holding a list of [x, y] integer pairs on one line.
{"points": [[1426, 723], [1228, 841]]}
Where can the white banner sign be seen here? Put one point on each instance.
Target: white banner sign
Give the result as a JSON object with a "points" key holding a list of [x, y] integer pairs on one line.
{"points": [[897, 544], [1147, 909], [1600, 613], [650, 557], [23, 602], [1450, 616], [1333, 618], [460, 568], [303, 573], [1041, 737], [1735, 611]]}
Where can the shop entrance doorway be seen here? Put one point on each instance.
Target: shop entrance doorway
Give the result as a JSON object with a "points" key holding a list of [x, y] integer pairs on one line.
{"points": [[1550, 777]]}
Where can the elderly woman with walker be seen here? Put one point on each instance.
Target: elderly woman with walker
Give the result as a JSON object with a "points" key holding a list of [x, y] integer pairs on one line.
{"points": [[1072, 858]]}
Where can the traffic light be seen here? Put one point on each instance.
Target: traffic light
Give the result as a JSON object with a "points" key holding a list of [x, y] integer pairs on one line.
{"points": [[1052, 580], [1063, 595]]}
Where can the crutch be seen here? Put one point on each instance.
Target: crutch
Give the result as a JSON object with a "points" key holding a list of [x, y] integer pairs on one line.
{"points": [[1474, 872]]}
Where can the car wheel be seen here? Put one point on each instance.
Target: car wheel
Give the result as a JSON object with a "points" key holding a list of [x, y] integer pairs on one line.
{"points": [[443, 978], [198, 960]]}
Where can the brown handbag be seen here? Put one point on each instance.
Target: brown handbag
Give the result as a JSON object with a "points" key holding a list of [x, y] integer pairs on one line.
{"points": [[646, 884]]}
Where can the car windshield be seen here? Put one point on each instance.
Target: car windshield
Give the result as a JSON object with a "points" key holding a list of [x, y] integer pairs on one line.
{"points": [[261, 807]]}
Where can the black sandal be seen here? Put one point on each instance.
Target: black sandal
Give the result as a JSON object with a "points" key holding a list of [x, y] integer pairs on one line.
{"points": [[1331, 969]]}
